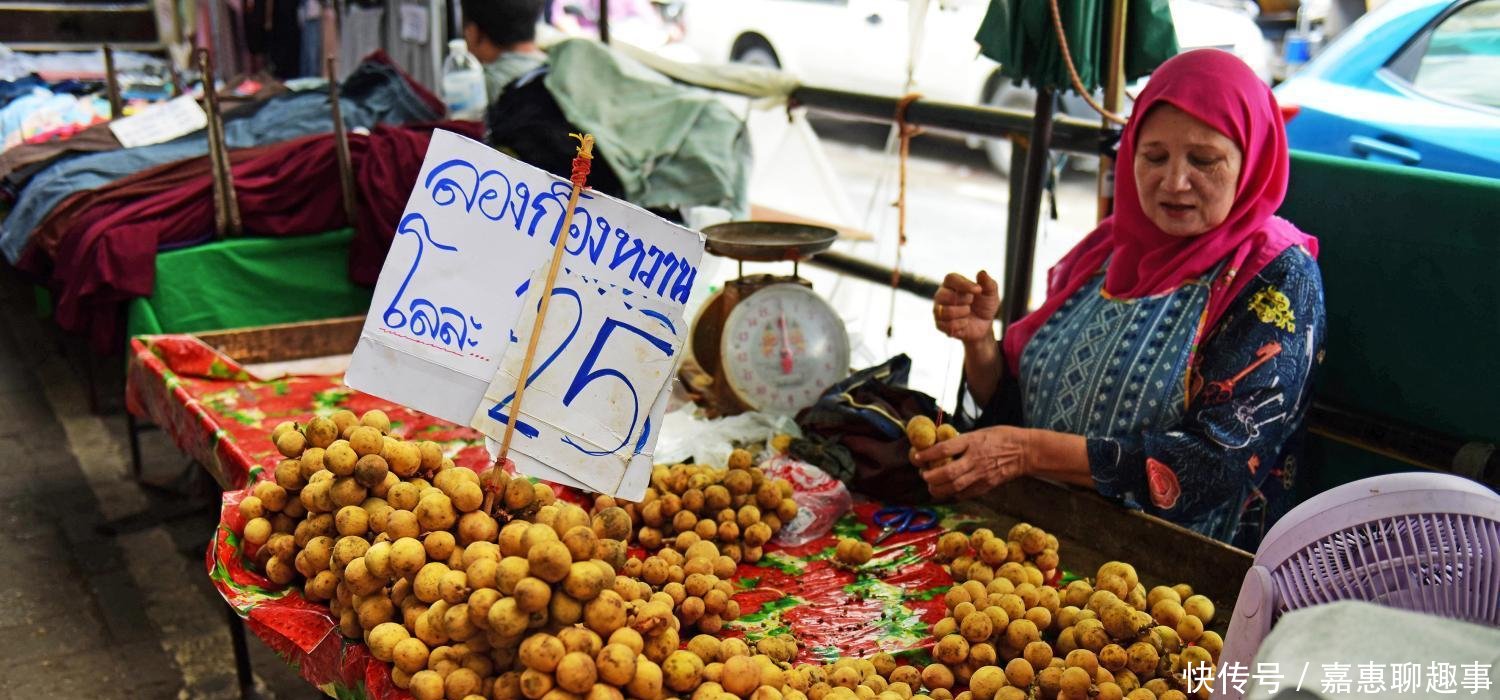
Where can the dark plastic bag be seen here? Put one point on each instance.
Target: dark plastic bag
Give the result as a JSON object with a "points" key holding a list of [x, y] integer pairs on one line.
{"points": [[865, 415]]}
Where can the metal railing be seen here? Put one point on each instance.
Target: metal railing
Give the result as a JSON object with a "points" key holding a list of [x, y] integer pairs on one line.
{"points": [[1068, 133]]}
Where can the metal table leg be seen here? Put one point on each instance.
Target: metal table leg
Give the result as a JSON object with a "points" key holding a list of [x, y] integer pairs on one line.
{"points": [[243, 675], [133, 430]]}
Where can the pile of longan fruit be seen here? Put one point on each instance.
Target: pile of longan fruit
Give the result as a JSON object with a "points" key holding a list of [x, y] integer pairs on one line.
{"points": [[393, 535], [530, 598], [879, 677], [517, 595], [738, 508], [980, 555], [695, 576], [1012, 636]]}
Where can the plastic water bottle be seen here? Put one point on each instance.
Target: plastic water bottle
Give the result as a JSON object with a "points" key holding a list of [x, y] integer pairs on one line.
{"points": [[1300, 43], [463, 83]]}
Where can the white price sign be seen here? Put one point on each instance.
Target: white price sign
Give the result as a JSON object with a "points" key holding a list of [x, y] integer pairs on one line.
{"points": [[604, 356], [160, 123], [448, 307]]}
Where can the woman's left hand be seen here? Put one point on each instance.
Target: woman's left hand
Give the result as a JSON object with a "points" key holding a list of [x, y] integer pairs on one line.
{"points": [[980, 461]]}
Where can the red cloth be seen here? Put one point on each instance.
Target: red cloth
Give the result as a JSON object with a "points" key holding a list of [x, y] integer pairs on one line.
{"points": [[84, 208], [105, 253], [1220, 90]]}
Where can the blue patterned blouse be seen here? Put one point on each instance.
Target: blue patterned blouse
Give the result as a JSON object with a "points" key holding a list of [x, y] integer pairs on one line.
{"points": [[1209, 440]]}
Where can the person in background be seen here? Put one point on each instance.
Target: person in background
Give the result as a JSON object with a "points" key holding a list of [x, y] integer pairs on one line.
{"points": [[1170, 364], [502, 35]]}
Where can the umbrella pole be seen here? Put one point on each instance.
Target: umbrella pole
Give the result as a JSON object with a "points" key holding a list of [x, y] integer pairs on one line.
{"points": [[604, 22], [1114, 90], [1019, 154], [1021, 243]]}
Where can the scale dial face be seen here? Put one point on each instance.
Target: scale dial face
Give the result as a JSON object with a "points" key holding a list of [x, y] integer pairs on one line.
{"points": [[781, 347]]}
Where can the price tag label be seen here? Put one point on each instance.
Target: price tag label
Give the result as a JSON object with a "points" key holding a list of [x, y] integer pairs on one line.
{"points": [[413, 23], [160, 123], [452, 302], [604, 355]]}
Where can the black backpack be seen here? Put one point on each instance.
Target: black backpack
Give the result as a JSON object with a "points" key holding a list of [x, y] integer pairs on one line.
{"points": [[525, 122]]}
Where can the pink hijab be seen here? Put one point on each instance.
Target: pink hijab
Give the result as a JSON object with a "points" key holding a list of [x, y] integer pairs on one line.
{"points": [[1218, 89]]}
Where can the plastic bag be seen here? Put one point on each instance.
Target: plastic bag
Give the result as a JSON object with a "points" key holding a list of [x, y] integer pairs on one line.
{"points": [[686, 434], [821, 499]]}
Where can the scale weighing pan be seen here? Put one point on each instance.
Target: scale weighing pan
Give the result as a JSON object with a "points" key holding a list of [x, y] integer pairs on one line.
{"points": [[768, 241]]}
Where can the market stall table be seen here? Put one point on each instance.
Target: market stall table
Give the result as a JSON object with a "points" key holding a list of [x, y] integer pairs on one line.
{"points": [[221, 416], [205, 392]]}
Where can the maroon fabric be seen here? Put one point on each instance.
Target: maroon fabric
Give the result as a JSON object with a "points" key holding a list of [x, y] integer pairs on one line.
{"points": [[112, 258], [105, 253], [84, 208], [1218, 89]]}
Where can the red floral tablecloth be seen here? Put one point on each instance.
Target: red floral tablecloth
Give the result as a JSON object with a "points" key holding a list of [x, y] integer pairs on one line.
{"points": [[223, 417]]}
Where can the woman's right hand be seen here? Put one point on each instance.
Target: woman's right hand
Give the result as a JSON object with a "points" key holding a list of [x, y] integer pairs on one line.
{"points": [[965, 310]]}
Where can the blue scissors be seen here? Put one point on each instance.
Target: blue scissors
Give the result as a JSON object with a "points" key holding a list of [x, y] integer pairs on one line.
{"points": [[899, 519]]}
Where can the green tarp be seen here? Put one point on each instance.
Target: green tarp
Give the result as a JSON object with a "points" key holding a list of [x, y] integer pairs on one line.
{"points": [[250, 282], [1019, 34], [672, 147]]}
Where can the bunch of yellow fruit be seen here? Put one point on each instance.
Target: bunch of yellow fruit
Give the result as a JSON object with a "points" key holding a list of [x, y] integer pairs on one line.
{"points": [[537, 598]]}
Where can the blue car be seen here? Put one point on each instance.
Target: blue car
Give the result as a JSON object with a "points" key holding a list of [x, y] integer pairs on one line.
{"points": [[1415, 82]]}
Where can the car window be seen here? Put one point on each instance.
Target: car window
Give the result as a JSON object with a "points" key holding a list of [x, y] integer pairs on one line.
{"points": [[1462, 57]]}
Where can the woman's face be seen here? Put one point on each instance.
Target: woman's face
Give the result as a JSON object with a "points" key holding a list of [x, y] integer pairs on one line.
{"points": [[1186, 173]]}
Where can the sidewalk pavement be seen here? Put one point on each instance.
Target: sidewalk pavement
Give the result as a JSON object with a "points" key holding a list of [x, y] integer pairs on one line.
{"points": [[90, 614]]}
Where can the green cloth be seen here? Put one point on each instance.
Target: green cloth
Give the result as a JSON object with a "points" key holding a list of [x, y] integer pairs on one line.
{"points": [[511, 65], [1020, 36], [673, 147], [250, 282], [1408, 260]]}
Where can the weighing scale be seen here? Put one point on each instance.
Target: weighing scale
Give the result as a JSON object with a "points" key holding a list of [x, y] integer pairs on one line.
{"points": [[768, 343]]}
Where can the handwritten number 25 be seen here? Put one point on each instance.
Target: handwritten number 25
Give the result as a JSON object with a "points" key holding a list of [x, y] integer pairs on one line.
{"points": [[497, 412], [587, 375]]}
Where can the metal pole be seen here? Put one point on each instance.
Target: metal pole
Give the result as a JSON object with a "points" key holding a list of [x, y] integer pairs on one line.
{"points": [[243, 676], [1021, 244], [215, 32], [1413, 445], [1020, 153], [604, 22], [873, 273], [1114, 95], [1069, 134], [341, 142], [133, 430], [112, 84]]}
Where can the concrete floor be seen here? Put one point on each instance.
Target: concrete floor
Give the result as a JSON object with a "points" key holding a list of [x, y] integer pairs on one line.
{"points": [[85, 613]]}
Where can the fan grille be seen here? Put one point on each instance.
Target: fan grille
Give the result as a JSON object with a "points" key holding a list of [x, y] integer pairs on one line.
{"points": [[1438, 564]]}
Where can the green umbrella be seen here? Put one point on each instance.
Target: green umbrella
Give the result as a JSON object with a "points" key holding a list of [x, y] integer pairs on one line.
{"points": [[1020, 36]]}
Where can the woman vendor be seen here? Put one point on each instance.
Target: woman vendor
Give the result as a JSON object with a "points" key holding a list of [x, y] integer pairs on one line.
{"points": [[1170, 364]]}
